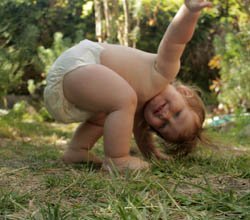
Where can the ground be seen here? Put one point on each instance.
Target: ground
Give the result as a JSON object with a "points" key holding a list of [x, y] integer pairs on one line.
{"points": [[35, 184]]}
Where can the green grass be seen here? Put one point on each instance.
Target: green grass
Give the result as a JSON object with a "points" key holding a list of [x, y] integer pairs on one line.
{"points": [[35, 184]]}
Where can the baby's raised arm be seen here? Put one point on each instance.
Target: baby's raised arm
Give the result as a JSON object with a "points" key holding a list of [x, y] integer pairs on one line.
{"points": [[178, 33]]}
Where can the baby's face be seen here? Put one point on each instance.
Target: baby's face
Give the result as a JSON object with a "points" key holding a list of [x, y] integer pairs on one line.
{"points": [[169, 114]]}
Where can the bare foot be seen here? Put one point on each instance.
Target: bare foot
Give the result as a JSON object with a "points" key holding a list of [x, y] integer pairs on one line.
{"points": [[124, 163], [79, 156]]}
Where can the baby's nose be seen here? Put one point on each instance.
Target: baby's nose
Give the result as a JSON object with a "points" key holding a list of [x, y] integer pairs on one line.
{"points": [[165, 115]]}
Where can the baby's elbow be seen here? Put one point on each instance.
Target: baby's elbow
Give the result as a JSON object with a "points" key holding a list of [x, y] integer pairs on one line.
{"points": [[168, 69]]}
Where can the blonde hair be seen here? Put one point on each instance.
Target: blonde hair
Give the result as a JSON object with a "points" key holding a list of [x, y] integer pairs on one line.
{"points": [[186, 143]]}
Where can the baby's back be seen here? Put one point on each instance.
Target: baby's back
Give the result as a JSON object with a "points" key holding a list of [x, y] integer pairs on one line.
{"points": [[135, 66]]}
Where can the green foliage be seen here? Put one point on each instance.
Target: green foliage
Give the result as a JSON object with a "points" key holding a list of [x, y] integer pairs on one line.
{"points": [[54, 212], [10, 200], [24, 112], [49, 55], [10, 72], [232, 46], [155, 17], [235, 69], [34, 32], [198, 53], [26, 25], [18, 42]]}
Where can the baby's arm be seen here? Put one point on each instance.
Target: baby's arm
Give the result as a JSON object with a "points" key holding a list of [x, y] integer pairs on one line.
{"points": [[178, 33]]}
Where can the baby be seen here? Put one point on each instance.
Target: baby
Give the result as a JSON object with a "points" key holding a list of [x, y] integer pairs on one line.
{"points": [[115, 91]]}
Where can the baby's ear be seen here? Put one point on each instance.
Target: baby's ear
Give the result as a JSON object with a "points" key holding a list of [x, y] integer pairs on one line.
{"points": [[187, 92]]}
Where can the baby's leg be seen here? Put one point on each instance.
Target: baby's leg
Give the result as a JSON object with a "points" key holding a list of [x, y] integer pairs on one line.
{"points": [[83, 140], [96, 88]]}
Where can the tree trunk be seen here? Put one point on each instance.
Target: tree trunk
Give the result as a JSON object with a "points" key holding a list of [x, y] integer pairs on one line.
{"points": [[98, 21], [107, 18], [126, 22]]}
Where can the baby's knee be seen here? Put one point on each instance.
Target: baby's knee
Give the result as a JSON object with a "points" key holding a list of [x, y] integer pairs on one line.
{"points": [[128, 100]]}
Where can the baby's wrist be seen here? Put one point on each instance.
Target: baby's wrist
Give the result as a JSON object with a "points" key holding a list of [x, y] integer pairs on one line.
{"points": [[192, 9]]}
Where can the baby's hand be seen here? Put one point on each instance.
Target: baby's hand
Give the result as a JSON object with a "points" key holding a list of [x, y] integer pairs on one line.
{"points": [[197, 5], [124, 163], [161, 156]]}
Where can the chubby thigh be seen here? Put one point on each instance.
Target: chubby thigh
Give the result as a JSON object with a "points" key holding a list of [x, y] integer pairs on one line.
{"points": [[96, 88]]}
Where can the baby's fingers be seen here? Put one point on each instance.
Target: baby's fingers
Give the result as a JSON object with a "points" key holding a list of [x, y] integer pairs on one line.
{"points": [[205, 5], [196, 6], [161, 156]]}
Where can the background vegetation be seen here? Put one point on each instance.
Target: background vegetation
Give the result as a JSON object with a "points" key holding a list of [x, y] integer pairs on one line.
{"points": [[35, 32]]}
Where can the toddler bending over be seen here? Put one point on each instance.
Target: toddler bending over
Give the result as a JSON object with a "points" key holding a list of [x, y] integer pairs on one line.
{"points": [[115, 91]]}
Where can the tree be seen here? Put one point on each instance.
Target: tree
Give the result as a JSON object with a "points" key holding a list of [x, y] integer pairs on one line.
{"points": [[121, 19]]}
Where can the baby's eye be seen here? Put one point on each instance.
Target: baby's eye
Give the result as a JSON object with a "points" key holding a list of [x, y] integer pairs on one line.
{"points": [[177, 114]]}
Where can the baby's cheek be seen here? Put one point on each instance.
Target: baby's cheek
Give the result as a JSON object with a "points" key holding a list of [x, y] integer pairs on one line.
{"points": [[151, 121], [158, 123], [170, 136]]}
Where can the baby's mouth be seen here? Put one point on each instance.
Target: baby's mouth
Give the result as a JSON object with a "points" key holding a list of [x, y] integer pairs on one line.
{"points": [[159, 108]]}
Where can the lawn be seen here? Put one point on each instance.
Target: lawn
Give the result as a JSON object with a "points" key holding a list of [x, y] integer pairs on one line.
{"points": [[35, 184]]}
